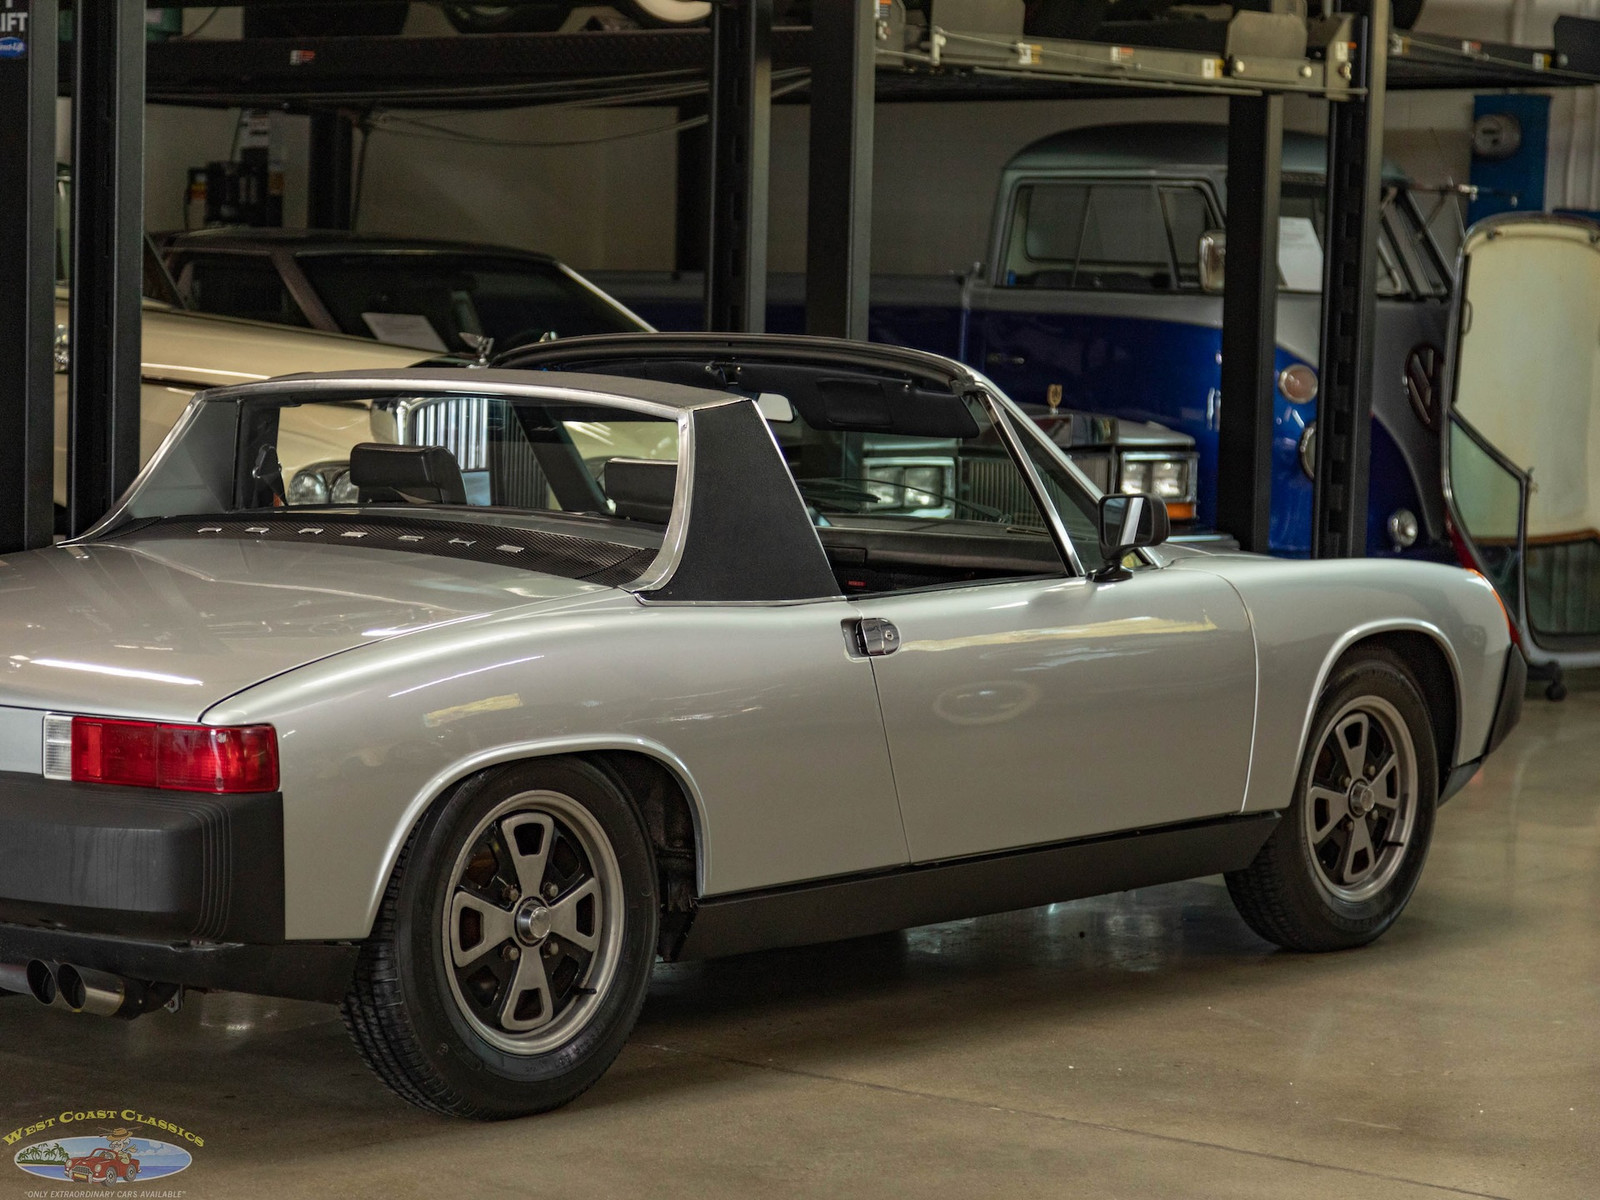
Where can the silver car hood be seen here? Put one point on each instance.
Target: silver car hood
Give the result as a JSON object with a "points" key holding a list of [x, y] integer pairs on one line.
{"points": [[164, 628]]}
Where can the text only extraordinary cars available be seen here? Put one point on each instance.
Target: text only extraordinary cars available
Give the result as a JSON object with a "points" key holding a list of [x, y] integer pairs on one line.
{"points": [[636, 651]]}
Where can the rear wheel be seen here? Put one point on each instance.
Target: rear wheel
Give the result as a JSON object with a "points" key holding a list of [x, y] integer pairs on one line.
{"points": [[514, 945], [1347, 853]]}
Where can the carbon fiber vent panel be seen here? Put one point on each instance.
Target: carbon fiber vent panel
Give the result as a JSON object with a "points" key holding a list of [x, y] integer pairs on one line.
{"points": [[586, 559]]}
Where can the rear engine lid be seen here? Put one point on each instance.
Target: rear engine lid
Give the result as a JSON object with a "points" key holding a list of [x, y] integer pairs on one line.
{"points": [[164, 628]]}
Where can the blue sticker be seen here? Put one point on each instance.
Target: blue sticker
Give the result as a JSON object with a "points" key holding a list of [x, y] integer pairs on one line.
{"points": [[13, 47]]}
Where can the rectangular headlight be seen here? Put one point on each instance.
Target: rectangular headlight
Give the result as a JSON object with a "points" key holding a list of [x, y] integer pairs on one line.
{"points": [[1135, 477], [1169, 478]]}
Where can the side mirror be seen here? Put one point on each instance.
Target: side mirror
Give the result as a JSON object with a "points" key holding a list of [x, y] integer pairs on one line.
{"points": [[1127, 523], [1213, 255]]}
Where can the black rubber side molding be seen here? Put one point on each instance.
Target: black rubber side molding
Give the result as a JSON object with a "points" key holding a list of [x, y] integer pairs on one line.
{"points": [[856, 906], [1508, 710]]}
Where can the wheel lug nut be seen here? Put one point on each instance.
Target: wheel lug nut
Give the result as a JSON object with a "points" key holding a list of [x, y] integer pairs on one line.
{"points": [[511, 954], [550, 890], [513, 895], [552, 948]]}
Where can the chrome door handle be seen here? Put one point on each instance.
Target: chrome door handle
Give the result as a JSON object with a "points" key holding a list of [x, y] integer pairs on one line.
{"points": [[876, 637], [999, 359]]}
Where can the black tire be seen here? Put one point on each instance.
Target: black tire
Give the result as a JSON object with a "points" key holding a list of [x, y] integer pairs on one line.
{"points": [[508, 18], [408, 1015], [663, 14], [1286, 894]]}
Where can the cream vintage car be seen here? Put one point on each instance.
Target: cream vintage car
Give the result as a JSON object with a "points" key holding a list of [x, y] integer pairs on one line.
{"points": [[185, 352]]}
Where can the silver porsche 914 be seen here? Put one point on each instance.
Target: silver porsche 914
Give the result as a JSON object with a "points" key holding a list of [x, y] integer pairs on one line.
{"points": [[460, 696]]}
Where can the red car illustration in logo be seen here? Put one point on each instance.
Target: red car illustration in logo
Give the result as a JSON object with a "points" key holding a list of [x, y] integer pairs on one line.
{"points": [[104, 1166]]}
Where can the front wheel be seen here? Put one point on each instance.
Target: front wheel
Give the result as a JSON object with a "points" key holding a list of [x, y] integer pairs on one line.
{"points": [[1347, 853], [514, 944]]}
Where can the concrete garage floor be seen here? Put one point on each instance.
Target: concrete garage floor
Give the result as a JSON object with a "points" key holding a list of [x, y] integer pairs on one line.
{"points": [[1139, 1045]]}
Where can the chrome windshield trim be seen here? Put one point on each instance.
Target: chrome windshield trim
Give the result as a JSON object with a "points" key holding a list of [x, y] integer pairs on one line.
{"points": [[665, 563], [179, 428], [1001, 415], [458, 383]]}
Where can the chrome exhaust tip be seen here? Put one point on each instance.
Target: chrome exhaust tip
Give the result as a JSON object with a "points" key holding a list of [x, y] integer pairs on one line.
{"points": [[41, 980], [97, 993]]}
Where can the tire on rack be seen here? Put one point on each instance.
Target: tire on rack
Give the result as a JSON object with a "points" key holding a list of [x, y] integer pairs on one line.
{"points": [[552, 15], [1347, 852], [666, 13], [508, 18], [513, 946]]}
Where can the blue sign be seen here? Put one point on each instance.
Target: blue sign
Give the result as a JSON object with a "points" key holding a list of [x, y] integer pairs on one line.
{"points": [[13, 47]]}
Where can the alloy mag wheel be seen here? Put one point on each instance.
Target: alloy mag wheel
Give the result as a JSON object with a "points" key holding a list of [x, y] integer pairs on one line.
{"points": [[533, 924], [1341, 863], [1361, 800]]}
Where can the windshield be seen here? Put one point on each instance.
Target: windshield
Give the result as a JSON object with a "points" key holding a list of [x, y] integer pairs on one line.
{"points": [[428, 299], [492, 456]]}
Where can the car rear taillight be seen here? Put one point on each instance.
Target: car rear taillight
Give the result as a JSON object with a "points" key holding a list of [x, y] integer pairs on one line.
{"points": [[181, 758]]}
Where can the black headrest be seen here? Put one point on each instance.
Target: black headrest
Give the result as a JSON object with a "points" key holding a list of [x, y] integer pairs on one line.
{"points": [[384, 473], [641, 488]]}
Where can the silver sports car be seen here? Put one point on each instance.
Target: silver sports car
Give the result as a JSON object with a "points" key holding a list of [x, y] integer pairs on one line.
{"points": [[669, 647]]}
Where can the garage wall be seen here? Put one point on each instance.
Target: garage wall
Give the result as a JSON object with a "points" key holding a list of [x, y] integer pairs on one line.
{"points": [[607, 200], [596, 186], [937, 165]]}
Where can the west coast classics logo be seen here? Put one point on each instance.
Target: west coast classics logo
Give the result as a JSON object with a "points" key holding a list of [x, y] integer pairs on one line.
{"points": [[108, 1147]]}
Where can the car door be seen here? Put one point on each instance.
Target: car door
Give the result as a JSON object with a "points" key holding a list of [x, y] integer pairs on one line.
{"points": [[1035, 709]]}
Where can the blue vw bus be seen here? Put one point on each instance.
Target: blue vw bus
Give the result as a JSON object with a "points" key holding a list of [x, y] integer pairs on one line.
{"points": [[1093, 300]]}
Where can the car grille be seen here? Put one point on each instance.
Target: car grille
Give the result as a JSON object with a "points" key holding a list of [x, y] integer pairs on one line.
{"points": [[1096, 466], [460, 425], [996, 483], [482, 436]]}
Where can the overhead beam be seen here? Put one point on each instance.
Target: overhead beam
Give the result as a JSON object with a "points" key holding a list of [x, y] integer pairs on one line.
{"points": [[741, 144], [839, 203], [1350, 296], [28, 248], [107, 255], [1250, 319]]}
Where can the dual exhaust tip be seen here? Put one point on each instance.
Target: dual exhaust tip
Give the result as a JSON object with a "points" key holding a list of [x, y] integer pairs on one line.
{"points": [[82, 989]]}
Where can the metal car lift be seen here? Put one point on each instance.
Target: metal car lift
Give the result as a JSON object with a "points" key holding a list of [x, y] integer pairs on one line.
{"points": [[857, 51]]}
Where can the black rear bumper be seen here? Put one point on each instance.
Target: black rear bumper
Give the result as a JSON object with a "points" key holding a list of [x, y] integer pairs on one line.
{"points": [[141, 863], [1508, 709], [164, 887], [1507, 712]]}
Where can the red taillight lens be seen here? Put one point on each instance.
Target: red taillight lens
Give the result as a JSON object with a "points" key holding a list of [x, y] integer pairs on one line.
{"points": [[182, 758]]}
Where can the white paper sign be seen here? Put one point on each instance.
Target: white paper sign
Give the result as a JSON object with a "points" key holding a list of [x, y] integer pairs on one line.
{"points": [[1299, 254], [404, 329]]}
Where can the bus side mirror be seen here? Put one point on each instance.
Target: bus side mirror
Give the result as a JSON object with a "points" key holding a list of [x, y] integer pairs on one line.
{"points": [[1213, 258]]}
